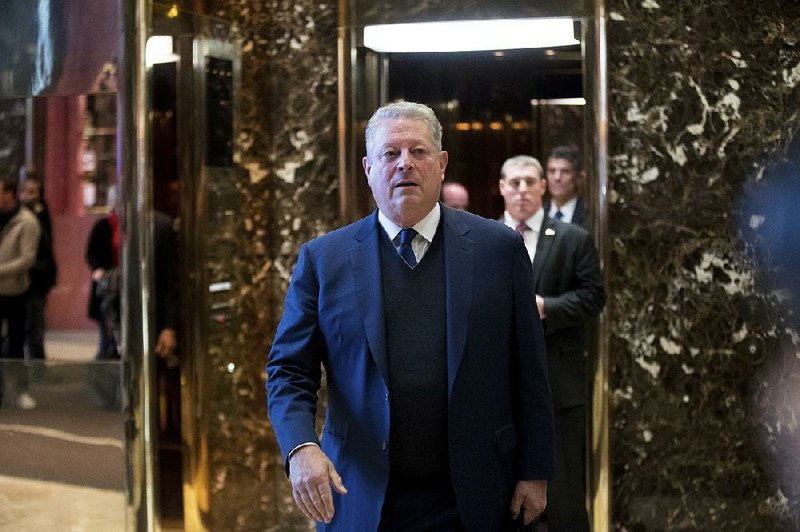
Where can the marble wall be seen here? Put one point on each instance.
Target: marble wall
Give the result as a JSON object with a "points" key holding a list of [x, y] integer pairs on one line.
{"points": [[704, 104], [287, 144]]}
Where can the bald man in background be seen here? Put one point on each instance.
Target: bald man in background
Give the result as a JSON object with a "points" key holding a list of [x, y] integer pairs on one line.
{"points": [[455, 196]]}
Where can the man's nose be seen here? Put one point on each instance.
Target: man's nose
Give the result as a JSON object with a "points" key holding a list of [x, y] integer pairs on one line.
{"points": [[404, 161], [523, 186]]}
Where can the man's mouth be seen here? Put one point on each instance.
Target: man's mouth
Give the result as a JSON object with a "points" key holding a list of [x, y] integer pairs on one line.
{"points": [[403, 184]]}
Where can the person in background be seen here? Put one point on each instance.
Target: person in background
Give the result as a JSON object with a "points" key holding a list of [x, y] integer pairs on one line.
{"points": [[565, 176], [19, 240], [103, 257], [568, 290], [455, 196], [43, 273], [165, 299], [438, 406]]}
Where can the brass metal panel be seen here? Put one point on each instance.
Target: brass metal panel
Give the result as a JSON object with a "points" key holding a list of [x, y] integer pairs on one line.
{"points": [[596, 131], [135, 205]]}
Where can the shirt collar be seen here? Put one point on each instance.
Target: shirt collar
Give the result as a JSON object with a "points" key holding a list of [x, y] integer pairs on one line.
{"points": [[568, 209], [425, 227], [534, 223]]}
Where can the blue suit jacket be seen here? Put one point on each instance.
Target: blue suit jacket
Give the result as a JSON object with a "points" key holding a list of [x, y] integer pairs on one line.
{"points": [[500, 412]]}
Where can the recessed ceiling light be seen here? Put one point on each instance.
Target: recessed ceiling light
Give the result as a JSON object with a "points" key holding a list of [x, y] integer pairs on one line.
{"points": [[470, 35]]}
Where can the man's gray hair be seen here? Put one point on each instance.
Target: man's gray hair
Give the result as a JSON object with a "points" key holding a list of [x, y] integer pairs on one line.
{"points": [[521, 161], [407, 110]]}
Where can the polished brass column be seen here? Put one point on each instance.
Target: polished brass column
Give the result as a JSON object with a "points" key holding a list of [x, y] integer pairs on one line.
{"points": [[135, 207], [600, 463]]}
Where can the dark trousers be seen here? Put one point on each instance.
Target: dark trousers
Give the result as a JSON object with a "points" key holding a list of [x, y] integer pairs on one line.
{"points": [[12, 312], [423, 504], [34, 326], [566, 494]]}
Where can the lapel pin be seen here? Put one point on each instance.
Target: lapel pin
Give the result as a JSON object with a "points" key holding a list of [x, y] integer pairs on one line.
{"points": [[549, 232]]}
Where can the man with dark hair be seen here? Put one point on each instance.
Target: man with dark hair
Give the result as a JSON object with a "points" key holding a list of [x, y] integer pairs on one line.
{"points": [[43, 272], [19, 240], [565, 176], [568, 290], [438, 412]]}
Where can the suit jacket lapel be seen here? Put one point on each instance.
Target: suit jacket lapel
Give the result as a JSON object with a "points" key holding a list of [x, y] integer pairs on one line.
{"points": [[547, 234], [459, 253], [366, 263]]}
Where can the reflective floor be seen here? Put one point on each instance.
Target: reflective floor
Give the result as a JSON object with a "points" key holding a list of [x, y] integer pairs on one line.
{"points": [[62, 465]]}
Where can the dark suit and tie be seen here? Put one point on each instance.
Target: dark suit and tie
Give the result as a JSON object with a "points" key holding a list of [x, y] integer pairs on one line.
{"points": [[578, 212], [568, 287], [565, 174], [439, 414]]}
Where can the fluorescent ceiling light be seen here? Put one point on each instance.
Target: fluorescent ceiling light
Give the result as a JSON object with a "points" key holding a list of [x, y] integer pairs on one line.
{"points": [[470, 35], [560, 101], [159, 50]]}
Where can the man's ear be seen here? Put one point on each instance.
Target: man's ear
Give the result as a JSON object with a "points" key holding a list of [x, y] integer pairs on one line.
{"points": [[365, 164], [443, 158]]}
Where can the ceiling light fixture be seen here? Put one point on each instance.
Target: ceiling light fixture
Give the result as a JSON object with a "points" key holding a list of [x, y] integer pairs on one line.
{"points": [[560, 101], [470, 35]]}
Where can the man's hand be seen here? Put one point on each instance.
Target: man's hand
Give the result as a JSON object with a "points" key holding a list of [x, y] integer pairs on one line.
{"points": [[530, 496], [540, 305], [311, 474]]}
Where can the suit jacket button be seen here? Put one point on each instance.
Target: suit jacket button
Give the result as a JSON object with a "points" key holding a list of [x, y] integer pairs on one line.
{"points": [[384, 446]]}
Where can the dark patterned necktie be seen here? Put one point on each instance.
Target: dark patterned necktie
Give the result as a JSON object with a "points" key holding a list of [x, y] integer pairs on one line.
{"points": [[406, 236], [559, 215]]}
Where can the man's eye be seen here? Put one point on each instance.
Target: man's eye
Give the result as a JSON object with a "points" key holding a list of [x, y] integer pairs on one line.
{"points": [[389, 154], [419, 152]]}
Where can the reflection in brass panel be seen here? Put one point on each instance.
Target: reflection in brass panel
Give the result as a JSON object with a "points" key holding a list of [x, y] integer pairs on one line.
{"points": [[67, 454], [597, 136], [60, 48], [137, 252]]}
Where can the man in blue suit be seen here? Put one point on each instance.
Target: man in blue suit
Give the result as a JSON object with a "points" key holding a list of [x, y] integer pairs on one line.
{"points": [[439, 414]]}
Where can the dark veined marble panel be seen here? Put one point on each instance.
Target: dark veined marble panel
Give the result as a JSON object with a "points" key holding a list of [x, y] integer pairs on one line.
{"points": [[704, 107], [287, 145]]}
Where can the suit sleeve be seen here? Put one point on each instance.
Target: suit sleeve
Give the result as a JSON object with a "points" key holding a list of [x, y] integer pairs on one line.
{"points": [[534, 416], [294, 367], [585, 296]]}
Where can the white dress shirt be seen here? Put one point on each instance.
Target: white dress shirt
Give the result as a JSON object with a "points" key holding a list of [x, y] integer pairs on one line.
{"points": [[567, 210], [531, 236], [425, 228]]}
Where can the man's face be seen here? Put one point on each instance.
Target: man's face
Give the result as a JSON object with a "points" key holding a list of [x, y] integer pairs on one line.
{"points": [[522, 189], [29, 195], [561, 179], [404, 170]]}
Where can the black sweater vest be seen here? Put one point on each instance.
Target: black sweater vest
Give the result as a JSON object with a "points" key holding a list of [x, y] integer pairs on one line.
{"points": [[416, 341]]}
